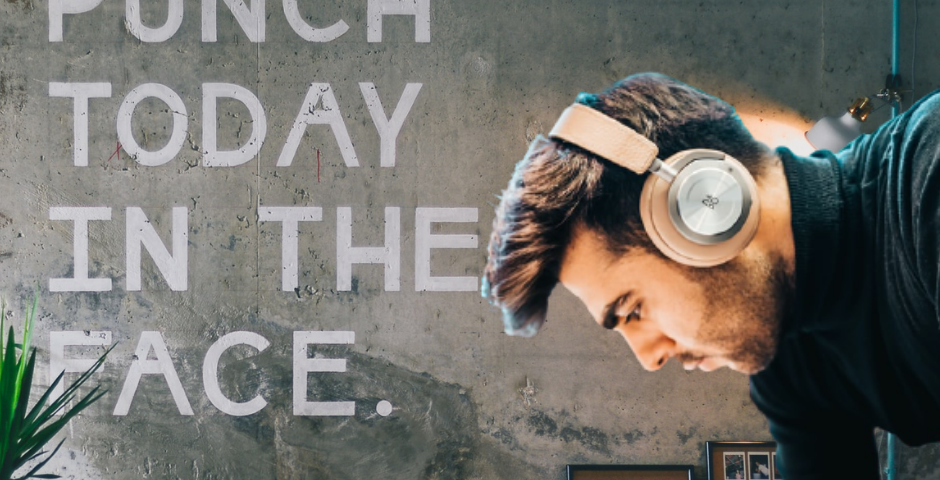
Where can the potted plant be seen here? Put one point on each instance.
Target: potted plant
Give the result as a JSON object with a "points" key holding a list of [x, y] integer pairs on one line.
{"points": [[25, 431]]}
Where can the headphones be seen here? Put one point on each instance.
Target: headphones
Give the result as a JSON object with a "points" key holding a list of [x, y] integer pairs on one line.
{"points": [[701, 206]]}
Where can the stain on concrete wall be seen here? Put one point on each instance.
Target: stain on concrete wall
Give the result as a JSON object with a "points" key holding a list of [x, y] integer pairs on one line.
{"points": [[318, 230]]}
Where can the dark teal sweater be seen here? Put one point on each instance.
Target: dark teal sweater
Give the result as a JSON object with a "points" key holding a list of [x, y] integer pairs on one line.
{"points": [[861, 342]]}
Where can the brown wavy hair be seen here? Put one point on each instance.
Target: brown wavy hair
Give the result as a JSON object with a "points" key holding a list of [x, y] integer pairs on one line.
{"points": [[558, 186]]}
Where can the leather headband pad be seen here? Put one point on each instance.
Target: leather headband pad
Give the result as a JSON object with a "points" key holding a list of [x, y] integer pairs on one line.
{"points": [[606, 137]]}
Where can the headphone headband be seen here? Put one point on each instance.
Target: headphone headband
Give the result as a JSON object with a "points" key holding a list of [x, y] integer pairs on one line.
{"points": [[606, 137], [700, 208]]}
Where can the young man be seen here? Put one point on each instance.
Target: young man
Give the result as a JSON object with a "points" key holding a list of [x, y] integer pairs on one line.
{"points": [[830, 304]]}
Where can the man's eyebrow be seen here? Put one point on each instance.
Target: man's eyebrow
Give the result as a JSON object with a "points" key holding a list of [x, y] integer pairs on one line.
{"points": [[610, 319]]}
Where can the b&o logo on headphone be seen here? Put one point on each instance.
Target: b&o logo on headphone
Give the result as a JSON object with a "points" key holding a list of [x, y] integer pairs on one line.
{"points": [[710, 201]]}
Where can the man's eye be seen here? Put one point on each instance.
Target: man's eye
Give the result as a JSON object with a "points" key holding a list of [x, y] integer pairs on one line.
{"points": [[633, 316]]}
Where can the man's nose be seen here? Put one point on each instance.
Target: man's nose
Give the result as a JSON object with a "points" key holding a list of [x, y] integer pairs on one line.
{"points": [[653, 361], [652, 353]]}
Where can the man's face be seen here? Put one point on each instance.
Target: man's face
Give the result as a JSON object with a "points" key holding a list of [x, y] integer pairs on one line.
{"points": [[725, 316]]}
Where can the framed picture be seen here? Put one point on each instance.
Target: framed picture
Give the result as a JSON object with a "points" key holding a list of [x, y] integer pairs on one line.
{"points": [[742, 460], [630, 472]]}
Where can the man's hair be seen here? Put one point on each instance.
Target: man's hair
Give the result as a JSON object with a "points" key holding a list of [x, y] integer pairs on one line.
{"points": [[558, 187]]}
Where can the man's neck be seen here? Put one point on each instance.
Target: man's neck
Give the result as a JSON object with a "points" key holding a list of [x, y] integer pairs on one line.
{"points": [[775, 232]]}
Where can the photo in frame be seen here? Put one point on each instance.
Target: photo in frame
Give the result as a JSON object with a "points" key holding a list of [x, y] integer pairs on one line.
{"points": [[742, 460], [630, 472], [734, 466], [758, 465]]}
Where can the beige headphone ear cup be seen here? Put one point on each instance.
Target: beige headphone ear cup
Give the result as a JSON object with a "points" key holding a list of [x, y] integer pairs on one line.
{"points": [[654, 212]]}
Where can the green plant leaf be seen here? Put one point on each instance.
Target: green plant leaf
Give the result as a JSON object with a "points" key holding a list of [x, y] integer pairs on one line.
{"points": [[8, 398], [16, 423], [27, 341], [40, 414], [32, 473], [36, 440], [24, 431]]}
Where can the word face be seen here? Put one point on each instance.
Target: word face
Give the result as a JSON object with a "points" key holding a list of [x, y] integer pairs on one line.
{"points": [[152, 357]]}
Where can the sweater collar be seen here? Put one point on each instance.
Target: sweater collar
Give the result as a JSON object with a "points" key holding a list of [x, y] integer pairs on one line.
{"points": [[816, 207]]}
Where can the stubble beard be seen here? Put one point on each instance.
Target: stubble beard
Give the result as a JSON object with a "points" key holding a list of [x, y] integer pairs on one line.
{"points": [[747, 300]]}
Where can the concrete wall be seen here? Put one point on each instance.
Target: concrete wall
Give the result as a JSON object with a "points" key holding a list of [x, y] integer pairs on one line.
{"points": [[467, 402]]}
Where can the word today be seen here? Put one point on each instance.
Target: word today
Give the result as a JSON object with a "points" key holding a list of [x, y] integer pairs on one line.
{"points": [[318, 108]]}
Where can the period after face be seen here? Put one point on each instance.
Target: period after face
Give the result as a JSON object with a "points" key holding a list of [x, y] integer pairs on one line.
{"points": [[725, 316]]}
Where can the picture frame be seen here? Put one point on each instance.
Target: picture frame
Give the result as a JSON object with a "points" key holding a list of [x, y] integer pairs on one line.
{"points": [[742, 460], [631, 472]]}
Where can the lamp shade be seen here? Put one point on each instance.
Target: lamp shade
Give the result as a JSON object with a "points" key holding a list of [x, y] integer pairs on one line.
{"points": [[833, 133]]}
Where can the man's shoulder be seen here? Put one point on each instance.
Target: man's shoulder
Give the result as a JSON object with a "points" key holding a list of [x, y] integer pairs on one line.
{"points": [[900, 137], [921, 125], [928, 105]]}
